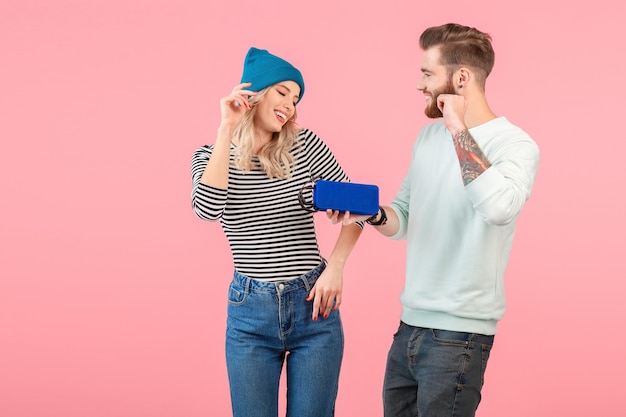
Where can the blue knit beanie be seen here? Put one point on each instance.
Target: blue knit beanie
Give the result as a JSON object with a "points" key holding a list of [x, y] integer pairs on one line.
{"points": [[263, 69]]}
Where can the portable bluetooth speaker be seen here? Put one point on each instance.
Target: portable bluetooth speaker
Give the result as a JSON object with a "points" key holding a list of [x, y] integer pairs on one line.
{"points": [[342, 196]]}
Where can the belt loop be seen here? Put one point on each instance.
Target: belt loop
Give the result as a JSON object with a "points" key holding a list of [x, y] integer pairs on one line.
{"points": [[318, 269], [248, 282], [305, 279]]}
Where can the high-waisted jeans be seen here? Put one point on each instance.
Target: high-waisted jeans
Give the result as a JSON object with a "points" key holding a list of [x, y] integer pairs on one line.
{"points": [[269, 323]]}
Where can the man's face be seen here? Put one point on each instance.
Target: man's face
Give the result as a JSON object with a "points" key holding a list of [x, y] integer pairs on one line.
{"points": [[434, 81]]}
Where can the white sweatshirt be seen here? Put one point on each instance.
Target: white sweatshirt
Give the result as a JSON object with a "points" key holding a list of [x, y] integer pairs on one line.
{"points": [[459, 237]]}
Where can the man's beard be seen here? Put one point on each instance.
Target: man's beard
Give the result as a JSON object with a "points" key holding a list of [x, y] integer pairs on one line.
{"points": [[432, 111]]}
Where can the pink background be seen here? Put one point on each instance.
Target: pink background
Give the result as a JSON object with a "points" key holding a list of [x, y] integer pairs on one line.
{"points": [[112, 292]]}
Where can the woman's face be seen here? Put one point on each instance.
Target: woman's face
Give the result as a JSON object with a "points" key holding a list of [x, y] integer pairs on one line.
{"points": [[277, 106]]}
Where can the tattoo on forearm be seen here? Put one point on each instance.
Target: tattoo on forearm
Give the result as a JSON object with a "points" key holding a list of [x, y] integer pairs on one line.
{"points": [[472, 159]]}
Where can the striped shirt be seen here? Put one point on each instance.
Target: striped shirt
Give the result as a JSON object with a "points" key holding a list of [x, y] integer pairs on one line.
{"points": [[271, 236]]}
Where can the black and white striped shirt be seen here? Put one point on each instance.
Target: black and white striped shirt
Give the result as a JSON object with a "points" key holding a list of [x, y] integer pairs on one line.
{"points": [[271, 236]]}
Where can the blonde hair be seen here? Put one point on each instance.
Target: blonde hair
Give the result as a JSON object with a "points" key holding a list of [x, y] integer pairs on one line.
{"points": [[275, 157]]}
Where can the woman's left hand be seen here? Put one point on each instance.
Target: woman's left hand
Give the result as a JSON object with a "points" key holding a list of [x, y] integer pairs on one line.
{"points": [[326, 293]]}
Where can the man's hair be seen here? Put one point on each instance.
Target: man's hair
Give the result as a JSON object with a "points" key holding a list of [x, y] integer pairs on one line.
{"points": [[461, 46]]}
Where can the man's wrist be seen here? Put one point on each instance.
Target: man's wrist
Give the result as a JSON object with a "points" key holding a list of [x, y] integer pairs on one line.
{"points": [[378, 221], [459, 131]]}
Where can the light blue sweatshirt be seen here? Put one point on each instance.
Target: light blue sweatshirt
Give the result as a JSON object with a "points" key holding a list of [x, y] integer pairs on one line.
{"points": [[459, 237]]}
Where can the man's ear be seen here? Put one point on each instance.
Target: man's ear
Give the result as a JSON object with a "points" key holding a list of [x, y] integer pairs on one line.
{"points": [[461, 77]]}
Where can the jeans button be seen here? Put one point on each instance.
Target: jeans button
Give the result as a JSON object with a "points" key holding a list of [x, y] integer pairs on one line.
{"points": [[281, 286]]}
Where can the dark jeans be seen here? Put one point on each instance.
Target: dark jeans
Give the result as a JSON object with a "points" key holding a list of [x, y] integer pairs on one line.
{"points": [[435, 373]]}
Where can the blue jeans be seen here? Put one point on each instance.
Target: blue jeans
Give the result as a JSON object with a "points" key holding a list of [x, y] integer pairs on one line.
{"points": [[435, 373], [269, 323]]}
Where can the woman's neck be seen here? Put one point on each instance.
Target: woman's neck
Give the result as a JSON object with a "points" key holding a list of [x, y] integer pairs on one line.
{"points": [[260, 140]]}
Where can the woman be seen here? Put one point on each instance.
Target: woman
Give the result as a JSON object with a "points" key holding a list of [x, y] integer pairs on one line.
{"points": [[249, 180]]}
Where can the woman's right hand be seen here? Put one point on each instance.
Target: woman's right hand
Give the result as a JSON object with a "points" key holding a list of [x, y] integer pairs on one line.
{"points": [[235, 104], [345, 218]]}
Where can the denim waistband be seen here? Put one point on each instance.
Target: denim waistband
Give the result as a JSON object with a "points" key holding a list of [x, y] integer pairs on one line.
{"points": [[467, 336], [302, 281]]}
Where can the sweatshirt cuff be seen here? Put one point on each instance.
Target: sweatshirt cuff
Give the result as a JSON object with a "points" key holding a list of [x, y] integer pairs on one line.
{"points": [[485, 185]]}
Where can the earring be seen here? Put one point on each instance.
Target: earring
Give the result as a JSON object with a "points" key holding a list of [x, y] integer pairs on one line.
{"points": [[460, 85]]}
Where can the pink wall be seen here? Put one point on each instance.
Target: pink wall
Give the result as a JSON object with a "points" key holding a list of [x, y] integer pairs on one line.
{"points": [[112, 293]]}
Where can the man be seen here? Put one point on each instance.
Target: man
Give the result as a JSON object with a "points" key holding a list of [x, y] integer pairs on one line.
{"points": [[469, 178]]}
